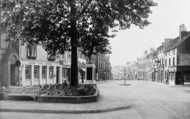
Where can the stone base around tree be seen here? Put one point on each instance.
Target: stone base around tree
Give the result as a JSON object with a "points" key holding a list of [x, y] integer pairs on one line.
{"points": [[83, 93], [3, 93], [69, 99], [58, 93]]}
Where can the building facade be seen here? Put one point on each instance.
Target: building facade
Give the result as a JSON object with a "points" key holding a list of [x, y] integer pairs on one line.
{"points": [[103, 67], [25, 64], [172, 65], [158, 67]]}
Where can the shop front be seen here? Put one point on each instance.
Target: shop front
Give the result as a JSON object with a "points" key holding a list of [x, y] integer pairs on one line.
{"points": [[183, 74]]}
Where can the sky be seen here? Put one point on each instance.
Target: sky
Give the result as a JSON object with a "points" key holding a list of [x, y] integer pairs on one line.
{"points": [[165, 20]]}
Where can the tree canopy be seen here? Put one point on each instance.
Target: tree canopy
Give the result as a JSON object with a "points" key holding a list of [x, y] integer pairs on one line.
{"points": [[61, 25]]}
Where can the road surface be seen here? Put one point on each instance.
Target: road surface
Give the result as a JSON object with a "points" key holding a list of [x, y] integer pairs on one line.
{"points": [[147, 100]]}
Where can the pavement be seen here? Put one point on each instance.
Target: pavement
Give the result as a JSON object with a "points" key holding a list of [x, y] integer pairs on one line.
{"points": [[136, 100]]}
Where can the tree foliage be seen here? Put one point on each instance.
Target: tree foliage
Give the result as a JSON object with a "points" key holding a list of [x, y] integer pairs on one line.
{"points": [[61, 25], [48, 21]]}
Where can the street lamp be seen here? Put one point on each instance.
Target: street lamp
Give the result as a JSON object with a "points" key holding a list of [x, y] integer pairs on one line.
{"points": [[125, 74]]}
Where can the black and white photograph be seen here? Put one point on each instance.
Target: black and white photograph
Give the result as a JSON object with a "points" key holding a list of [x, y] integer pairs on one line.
{"points": [[94, 59]]}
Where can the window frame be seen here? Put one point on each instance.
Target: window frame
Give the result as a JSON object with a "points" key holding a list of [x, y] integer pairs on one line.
{"points": [[31, 51], [36, 72], [28, 76], [44, 68], [174, 61], [51, 72]]}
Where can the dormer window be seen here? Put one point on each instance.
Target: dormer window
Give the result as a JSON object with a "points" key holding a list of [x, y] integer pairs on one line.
{"points": [[31, 51]]}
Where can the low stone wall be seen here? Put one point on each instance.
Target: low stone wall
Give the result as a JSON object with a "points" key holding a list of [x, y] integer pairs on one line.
{"points": [[69, 99], [21, 97], [3, 94]]}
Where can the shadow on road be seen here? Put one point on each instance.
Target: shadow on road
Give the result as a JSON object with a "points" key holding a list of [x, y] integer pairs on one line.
{"points": [[125, 84]]}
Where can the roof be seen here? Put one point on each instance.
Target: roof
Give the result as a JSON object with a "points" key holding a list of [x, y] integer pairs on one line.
{"points": [[174, 43], [160, 47]]}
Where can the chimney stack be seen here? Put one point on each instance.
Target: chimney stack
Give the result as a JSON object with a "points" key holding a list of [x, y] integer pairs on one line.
{"points": [[182, 31], [166, 40]]}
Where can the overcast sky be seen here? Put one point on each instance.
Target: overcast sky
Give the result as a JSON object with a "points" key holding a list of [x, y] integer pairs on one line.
{"points": [[166, 18]]}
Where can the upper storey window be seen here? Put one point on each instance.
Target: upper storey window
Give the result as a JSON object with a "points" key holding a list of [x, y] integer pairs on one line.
{"points": [[32, 51]]}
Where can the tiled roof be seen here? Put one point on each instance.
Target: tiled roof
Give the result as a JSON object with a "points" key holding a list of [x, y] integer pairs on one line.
{"points": [[160, 47], [175, 42]]}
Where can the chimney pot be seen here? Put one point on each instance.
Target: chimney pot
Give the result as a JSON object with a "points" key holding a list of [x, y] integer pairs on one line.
{"points": [[182, 31], [182, 28]]}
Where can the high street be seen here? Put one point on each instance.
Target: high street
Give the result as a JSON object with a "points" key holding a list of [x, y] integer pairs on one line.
{"points": [[144, 100]]}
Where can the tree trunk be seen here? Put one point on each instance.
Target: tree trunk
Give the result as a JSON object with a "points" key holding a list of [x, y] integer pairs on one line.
{"points": [[74, 63], [74, 43]]}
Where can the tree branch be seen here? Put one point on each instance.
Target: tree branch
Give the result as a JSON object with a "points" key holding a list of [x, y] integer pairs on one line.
{"points": [[84, 8]]}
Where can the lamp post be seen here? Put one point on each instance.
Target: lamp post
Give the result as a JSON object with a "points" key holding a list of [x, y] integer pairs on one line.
{"points": [[125, 74]]}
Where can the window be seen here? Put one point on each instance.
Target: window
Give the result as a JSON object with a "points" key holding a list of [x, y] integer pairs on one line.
{"points": [[173, 61], [31, 51], [28, 71], [65, 58], [169, 62], [64, 72], [178, 58], [3, 40], [165, 62], [51, 72], [44, 72], [36, 71]]}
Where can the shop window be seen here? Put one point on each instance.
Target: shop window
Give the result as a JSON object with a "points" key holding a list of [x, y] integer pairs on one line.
{"points": [[31, 51], [36, 71], [44, 72], [28, 71], [51, 72]]}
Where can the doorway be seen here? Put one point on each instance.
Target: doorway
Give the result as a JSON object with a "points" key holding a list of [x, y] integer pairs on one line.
{"points": [[57, 75], [14, 75]]}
